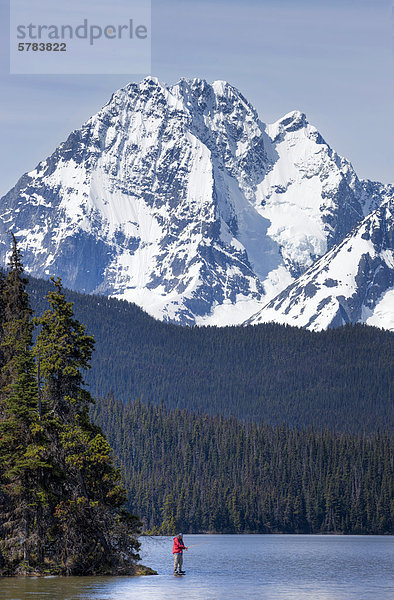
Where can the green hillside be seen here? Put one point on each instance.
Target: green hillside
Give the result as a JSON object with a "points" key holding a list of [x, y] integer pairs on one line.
{"points": [[340, 378]]}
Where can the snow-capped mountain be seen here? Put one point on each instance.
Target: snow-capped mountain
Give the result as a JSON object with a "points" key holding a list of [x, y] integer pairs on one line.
{"points": [[181, 200], [353, 282]]}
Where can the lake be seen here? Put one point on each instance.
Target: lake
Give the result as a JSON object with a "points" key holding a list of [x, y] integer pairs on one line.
{"points": [[238, 567]]}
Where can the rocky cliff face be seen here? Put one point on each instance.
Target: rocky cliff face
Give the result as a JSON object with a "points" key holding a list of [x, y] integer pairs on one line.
{"points": [[180, 199], [353, 282]]}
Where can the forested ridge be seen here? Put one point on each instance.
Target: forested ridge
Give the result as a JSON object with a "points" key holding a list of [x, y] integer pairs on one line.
{"points": [[260, 429], [198, 473], [340, 379]]}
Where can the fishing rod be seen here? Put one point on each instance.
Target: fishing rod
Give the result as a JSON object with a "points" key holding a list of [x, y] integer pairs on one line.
{"points": [[199, 544]]}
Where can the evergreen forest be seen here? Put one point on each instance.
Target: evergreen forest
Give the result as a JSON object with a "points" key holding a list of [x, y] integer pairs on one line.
{"points": [[265, 429], [340, 379], [196, 473]]}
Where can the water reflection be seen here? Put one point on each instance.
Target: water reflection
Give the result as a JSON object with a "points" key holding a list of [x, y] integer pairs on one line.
{"points": [[238, 568]]}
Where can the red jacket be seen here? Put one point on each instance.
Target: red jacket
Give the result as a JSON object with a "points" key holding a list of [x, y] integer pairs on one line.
{"points": [[178, 546]]}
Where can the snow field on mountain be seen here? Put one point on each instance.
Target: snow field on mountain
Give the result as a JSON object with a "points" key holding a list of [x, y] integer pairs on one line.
{"points": [[181, 200]]}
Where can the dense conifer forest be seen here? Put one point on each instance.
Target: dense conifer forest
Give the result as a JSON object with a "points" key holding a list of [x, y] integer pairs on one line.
{"points": [[340, 379], [197, 473], [287, 430], [61, 499]]}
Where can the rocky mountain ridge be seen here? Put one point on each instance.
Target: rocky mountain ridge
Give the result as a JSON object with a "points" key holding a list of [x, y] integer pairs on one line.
{"points": [[180, 199]]}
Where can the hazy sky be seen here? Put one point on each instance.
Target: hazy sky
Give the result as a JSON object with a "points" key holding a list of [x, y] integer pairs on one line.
{"points": [[332, 59]]}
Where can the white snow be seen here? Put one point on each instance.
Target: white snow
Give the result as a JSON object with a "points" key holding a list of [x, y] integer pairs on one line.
{"points": [[230, 313], [383, 313], [315, 298], [192, 197]]}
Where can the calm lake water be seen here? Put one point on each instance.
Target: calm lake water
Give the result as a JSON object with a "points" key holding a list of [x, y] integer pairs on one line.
{"points": [[238, 567]]}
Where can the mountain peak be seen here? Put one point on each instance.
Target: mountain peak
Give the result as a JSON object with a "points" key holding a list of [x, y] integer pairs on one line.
{"points": [[293, 119], [180, 199], [222, 87], [150, 79], [291, 122]]}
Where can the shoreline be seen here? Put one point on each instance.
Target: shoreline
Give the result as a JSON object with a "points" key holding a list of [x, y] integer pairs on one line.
{"points": [[139, 571], [244, 533]]}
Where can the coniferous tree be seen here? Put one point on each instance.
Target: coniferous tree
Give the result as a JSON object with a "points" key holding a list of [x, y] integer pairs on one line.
{"points": [[65, 351], [61, 498], [21, 450], [2, 309], [95, 533]]}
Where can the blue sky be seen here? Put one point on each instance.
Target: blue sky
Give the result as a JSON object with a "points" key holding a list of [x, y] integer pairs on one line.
{"points": [[333, 60]]}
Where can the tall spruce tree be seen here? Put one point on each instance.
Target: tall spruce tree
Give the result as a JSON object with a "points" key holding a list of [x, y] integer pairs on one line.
{"points": [[21, 450], [64, 351], [94, 532], [61, 499]]}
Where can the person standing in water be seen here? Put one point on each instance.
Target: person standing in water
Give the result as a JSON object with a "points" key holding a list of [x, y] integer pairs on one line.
{"points": [[177, 550]]}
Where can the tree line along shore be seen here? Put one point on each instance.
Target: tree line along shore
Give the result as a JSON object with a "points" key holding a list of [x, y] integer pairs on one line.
{"points": [[198, 473], [67, 500]]}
